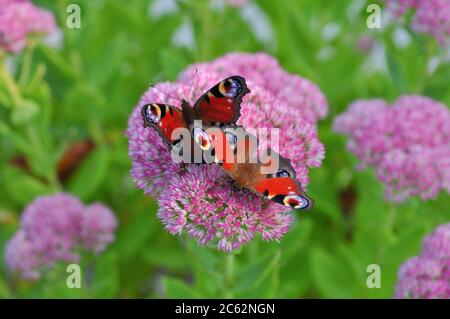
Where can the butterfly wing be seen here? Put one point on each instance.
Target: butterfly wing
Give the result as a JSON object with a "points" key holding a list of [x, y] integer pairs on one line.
{"points": [[282, 185], [273, 178], [222, 102], [165, 119]]}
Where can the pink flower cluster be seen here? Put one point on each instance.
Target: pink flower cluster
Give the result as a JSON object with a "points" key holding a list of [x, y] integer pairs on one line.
{"points": [[431, 16], [202, 202], [200, 199], [407, 143], [54, 228], [18, 19], [427, 276]]}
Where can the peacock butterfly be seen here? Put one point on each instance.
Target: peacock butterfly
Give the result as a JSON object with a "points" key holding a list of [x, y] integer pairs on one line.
{"points": [[217, 112]]}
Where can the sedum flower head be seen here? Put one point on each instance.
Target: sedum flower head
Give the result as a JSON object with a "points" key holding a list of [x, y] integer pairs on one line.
{"points": [[98, 224], [18, 19], [199, 199], [430, 16], [427, 276], [54, 228], [406, 142], [22, 256]]}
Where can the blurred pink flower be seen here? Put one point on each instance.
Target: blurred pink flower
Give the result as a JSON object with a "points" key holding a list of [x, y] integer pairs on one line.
{"points": [[431, 16], [427, 276], [399, 7], [22, 257], [407, 143], [18, 19], [437, 244], [365, 44], [237, 3], [265, 71], [98, 224], [154, 171], [52, 224], [54, 228]]}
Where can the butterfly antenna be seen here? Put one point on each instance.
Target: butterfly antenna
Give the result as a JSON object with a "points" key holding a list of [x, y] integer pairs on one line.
{"points": [[191, 89]]}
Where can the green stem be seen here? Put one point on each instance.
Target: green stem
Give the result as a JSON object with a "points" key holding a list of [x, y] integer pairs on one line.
{"points": [[229, 276], [26, 67], [16, 98], [11, 86], [391, 219], [40, 152]]}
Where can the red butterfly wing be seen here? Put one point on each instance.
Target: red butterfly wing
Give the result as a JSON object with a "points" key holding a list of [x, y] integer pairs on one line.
{"points": [[282, 185], [222, 102], [223, 145], [236, 153], [165, 119], [283, 190]]}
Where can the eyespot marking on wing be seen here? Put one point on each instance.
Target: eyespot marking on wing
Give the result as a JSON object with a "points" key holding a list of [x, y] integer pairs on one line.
{"points": [[201, 138], [153, 113]]}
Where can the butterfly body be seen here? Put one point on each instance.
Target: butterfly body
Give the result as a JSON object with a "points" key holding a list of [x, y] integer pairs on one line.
{"points": [[211, 123]]}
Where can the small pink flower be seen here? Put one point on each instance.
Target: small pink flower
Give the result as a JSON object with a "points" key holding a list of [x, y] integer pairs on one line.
{"points": [[18, 19], [52, 224], [22, 256], [406, 143], [98, 225], [430, 16], [428, 275], [55, 228], [400, 7], [437, 244]]}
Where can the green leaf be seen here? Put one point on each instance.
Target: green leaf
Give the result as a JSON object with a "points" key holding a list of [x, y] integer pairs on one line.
{"points": [[174, 259], [105, 280], [259, 278], [176, 288], [395, 72], [133, 236], [4, 290], [207, 258], [332, 276], [24, 113], [91, 173], [173, 61], [18, 140], [102, 70], [23, 188], [295, 239]]}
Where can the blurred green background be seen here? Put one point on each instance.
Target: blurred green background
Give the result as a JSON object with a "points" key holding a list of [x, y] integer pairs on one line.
{"points": [[84, 91]]}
